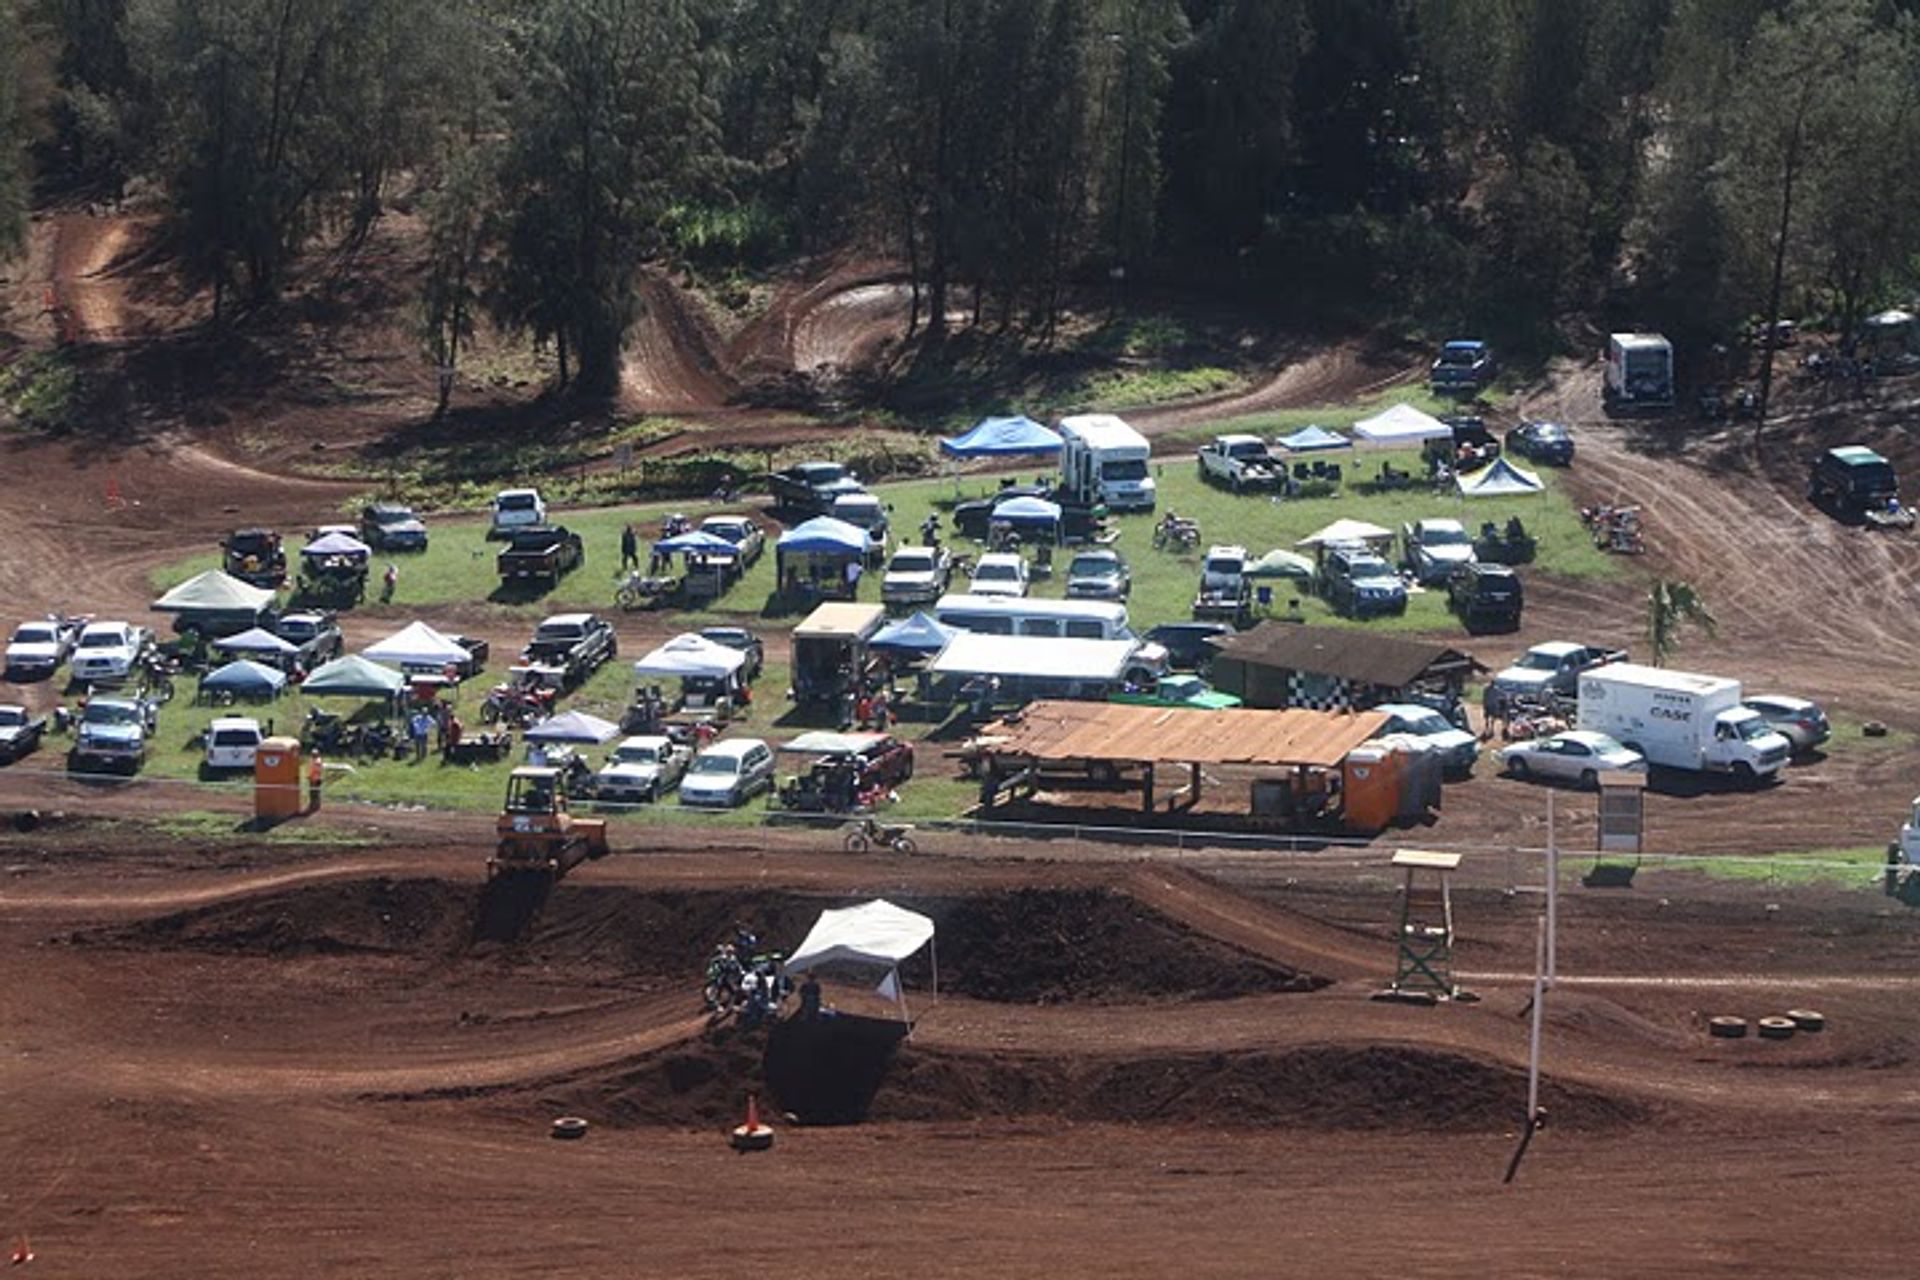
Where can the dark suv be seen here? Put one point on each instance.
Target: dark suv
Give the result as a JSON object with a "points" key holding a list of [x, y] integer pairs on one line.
{"points": [[1854, 477], [1360, 584], [1486, 596]]}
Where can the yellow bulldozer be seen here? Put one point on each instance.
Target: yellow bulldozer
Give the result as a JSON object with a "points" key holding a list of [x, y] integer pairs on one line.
{"points": [[537, 834]]}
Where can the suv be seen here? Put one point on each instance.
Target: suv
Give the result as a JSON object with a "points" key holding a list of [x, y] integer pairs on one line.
{"points": [[1486, 596], [112, 734], [516, 509], [232, 742], [916, 575], [1853, 477], [1435, 549], [999, 573], [392, 526], [728, 774], [1542, 442], [1360, 584], [1099, 574]]}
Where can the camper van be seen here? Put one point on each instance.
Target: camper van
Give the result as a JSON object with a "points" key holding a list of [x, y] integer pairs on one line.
{"points": [[1102, 459], [1639, 372]]}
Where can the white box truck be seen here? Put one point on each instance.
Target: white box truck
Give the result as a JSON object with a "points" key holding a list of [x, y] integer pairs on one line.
{"points": [[1102, 459], [1639, 372], [1681, 720]]}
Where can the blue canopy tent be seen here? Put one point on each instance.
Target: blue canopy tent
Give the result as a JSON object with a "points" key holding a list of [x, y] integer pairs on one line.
{"points": [[698, 541], [814, 557], [1001, 438], [1311, 439], [921, 635], [244, 679]]}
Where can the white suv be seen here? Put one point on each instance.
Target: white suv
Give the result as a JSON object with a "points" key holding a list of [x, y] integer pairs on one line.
{"points": [[516, 509], [108, 651], [728, 774], [999, 573], [232, 742]]}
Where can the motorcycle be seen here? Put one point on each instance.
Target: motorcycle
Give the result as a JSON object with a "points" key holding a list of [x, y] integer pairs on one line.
{"points": [[644, 591], [867, 833], [1176, 533], [517, 705], [156, 677]]}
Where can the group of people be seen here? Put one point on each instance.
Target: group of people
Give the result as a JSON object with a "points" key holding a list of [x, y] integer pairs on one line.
{"points": [[745, 979]]}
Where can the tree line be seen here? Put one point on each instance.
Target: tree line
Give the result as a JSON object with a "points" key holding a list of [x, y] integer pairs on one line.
{"points": [[1495, 164]]}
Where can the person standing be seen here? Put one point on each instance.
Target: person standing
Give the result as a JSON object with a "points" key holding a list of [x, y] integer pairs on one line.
{"points": [[418, 727], [629, 548], [316, 774], [388, 582]]}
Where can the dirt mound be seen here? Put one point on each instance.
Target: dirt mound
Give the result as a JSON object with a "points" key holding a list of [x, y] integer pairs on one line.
{"points": [[1322, 1087], [1023, 946]]}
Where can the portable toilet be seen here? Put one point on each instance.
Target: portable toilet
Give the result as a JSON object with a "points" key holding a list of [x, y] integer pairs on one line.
{"points": [[1370, 788], [1420, 775], [276, 778]]}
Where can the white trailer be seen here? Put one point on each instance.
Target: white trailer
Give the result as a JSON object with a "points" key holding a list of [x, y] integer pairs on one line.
{"points": [[1680, 720], [1639, 372], [1102, 459]]}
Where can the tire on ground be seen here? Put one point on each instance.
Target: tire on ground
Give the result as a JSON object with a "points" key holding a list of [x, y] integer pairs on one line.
{"points": [[569, 1127], [1808, 1019], [1727, 1028], [1777, 1028]]}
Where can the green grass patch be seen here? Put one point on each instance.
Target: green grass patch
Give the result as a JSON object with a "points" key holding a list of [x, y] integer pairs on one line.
{"points": [[1133, 388], [204, 825], [40, 391], [1848, 868]]}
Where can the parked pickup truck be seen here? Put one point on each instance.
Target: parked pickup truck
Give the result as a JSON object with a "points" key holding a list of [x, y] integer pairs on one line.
{"points": [[108, 652], [39, 647], [112, 735], [1464, 367], [20, 732], [392, 526], [1435, 549], [1225, 594], [1239, 462], [540, 553], [811, 487], [1552, 668], [568, 648], [316, 637]]}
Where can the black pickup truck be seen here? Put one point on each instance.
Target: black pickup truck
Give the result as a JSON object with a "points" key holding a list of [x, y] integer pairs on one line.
{"points": [[540, 553], [568, 648], [811, 487]]}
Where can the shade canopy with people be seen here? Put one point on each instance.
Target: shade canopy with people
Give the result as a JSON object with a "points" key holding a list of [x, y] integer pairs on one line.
{"points": [[353, 677], [214, 591], [1002, 438], [417, 645], [336, 544], [244, 678], [1402, 424], [691, 656], [576, 727], [823, 535], [875, 934], [920, 634], [823, 556], [257, 641]]}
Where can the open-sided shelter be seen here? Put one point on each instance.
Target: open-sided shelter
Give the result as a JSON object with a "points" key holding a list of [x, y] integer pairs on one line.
{"points": [[1285, 664], [876, 935]]}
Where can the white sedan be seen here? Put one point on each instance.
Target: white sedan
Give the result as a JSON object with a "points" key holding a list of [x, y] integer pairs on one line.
{"points": [[1577, 756]]}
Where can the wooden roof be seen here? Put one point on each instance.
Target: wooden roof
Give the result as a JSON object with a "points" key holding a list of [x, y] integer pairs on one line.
{"points": [[1061, 730], [1366, 656]]}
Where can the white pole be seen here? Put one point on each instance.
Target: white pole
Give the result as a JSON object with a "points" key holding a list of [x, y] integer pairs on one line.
{"points": [[1553, 893], [1539, 1009], [934, 949], [900, 998]]}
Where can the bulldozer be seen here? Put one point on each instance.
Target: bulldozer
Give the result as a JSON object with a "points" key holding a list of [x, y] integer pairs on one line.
{"points": [[537, 834]]}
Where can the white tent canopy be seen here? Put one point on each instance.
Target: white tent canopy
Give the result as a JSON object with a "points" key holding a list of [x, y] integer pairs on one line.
{"points": [[416, 645], [1502, 479], [691, 655], [1346, 531], [873, 933], [214, 592], [975, 653], [1402, 424]]}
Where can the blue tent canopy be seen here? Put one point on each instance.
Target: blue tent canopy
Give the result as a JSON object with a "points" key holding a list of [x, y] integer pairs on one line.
{"points": [[1308, 439], [249, 679], [919, 634], [1000, 437], [824, 535], [698, 540]]}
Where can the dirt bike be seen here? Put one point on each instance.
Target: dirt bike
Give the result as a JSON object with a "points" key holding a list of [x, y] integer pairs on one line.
{"points": [[1177, 533], [867, 833], [517, 706], [644, 591], [156, 678]]}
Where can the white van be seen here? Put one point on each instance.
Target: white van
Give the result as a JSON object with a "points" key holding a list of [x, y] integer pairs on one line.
{"points": [[1102, 459], [232, 742], [516, 509], [1023, 616]]}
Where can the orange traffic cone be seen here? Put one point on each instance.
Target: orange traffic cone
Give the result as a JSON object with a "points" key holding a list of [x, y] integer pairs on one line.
{"points": [[752, 1136], [22, 1252]]}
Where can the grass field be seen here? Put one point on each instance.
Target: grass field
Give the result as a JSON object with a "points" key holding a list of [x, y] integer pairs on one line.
{"points": [[459, 569]]}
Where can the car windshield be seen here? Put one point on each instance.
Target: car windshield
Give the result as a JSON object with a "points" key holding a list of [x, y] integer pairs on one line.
{"points": [[33, 635], [1605, 746], [1540, 662], [1247, 449], [822, 473], [1124, 469], [636, 755], [998, 573], [12, 717], [1370, 568], [392, 515], [563, 634], [913, 562], [731, 530], [1224, 565], [1459, 355], [1424, 722], [1093, 567], [101, 640], [716, 765], [1550, 431], [1758, 727], [516, 501], [1181, 687], [1443, 537], [110, 713]]}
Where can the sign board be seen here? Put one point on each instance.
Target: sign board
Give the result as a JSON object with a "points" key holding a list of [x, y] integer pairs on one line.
{"points": [[623, 455], [1622, 811]]}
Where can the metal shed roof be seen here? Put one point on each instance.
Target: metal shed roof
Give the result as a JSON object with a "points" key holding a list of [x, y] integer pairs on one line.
{"points": [[1173, 735], [1365, 656]]}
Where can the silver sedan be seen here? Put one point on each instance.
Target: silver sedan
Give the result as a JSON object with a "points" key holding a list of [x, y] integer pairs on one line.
{"points": [[1577, 756]]}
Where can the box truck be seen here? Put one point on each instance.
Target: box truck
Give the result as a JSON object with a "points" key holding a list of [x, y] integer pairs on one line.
{"points": [[1681, 720], [1639, 372], [1102, 459]]}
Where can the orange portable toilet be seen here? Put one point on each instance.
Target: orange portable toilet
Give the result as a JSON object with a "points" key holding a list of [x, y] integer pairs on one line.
{"points": [[276, 778], [1369, 788]]}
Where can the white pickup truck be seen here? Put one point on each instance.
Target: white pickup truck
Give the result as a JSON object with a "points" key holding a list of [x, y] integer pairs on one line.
{"points": [[1239, 463]]}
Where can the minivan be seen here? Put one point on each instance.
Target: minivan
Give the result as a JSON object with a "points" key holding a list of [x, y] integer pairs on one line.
{"points": [[728, 774]]}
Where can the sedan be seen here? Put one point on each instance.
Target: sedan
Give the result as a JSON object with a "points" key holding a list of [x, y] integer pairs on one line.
{"points": [[1801, 722], [1101, 574], [19, 732], [1542, 442], [1577, 756]]}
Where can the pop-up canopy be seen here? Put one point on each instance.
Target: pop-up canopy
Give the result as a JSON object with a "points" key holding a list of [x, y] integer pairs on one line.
{"points": [[354, 677], [246, 679], [257, 640], [337, 543], [1402, 424], [1027, 509], [824, 534], [214, 591], [1309, 439], [873, 933], [417, 645], [1002, 437], [691, 655], [573, 726], [1346, 530], [1500, 480], [698, 541], [922, 633]]}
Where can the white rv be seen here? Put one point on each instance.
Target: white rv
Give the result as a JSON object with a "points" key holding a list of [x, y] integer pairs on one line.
{"points": [[1102, 459]]}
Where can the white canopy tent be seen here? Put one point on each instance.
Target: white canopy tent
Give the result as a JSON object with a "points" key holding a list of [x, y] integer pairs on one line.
{"points": [[416, 645], [1346, 531], [1402, 424], [873, 933], [975, 653], [691, 655]]}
